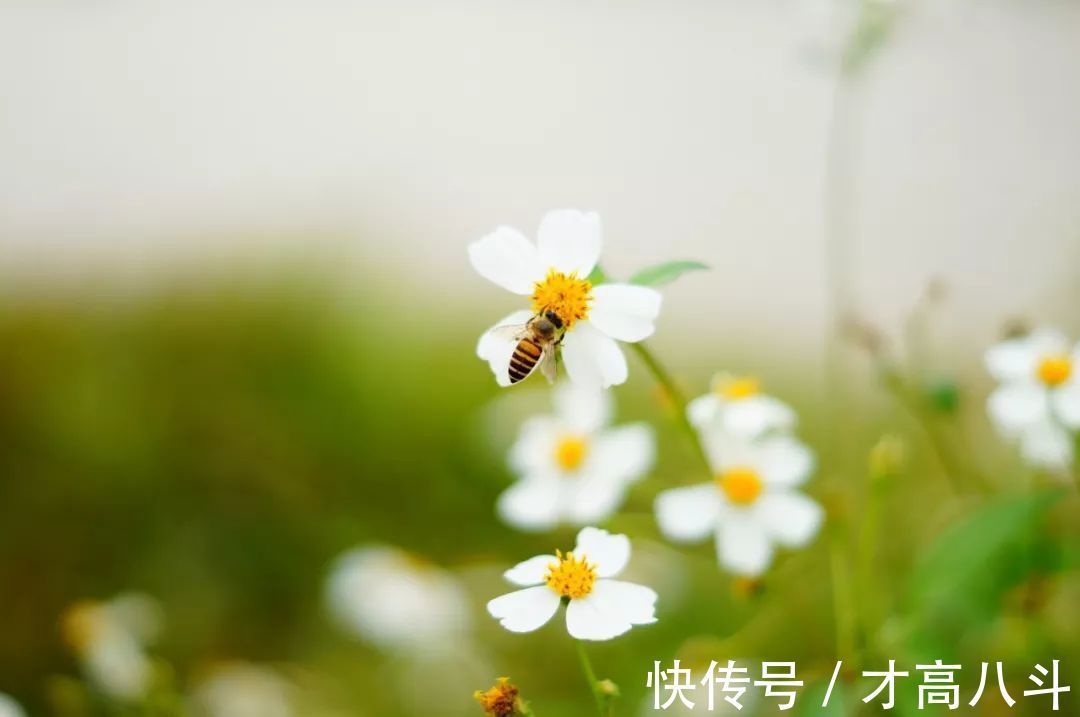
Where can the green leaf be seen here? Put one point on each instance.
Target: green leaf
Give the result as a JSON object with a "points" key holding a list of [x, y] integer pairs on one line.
{"points": [[597, 276], [665, 273], [961, 579]]}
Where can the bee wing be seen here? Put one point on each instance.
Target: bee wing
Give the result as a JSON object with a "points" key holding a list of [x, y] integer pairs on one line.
{"points": [[509, 332], [549, 364]]}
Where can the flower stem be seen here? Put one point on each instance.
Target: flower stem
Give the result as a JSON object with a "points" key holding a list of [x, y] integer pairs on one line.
{"points": [[590, 677], [676, 397]]}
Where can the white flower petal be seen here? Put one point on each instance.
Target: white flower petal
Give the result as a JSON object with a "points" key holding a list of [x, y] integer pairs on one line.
{"points": [[496, 349], [624, 311], [609, 553], [593, 499], [750, 417], [506, 258], [531, 504], [525, 610], [783, 461], [791, 518], [742, 544], [534, 450], [1012, 360], [9, 707], [1047, 341], [704, 410], [1015, 406], [592, 357], [1047, 445], [590, 618], [625, 453], [569, 240], [688, 514], [610, 610], [1066, 401], [582, 407], [531, 571]]}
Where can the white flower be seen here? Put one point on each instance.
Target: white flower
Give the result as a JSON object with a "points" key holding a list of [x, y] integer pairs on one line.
{"points": [[736, 405], [394, 600], [109, 639], [1038, 401], [752, 504], [598, 607], [242, 690], [9, 707], [553, 274], [571, 467]]}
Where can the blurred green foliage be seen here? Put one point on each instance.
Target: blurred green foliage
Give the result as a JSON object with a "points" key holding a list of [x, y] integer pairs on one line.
{"points": [[217, 447]]}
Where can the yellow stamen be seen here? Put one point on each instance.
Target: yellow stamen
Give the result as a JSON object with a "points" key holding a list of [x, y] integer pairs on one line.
{"points": [[1055, 370], [735, 388], [571, 577], [499, 701], [565, 294], [570, 452], [742, 486]]}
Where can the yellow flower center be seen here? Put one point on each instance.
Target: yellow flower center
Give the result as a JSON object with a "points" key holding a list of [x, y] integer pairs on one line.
{"points": [[742, 486], [565, 294], [500, 700], [570, 452], [738, 387], [1055, 370], [81, 624], [571, 577]]}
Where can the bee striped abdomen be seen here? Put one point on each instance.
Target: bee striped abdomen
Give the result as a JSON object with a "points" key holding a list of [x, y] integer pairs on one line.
{"points": [[524, 359]]}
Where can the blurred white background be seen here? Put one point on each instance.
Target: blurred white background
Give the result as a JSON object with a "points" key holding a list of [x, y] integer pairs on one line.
{"points": [[143, 137]]}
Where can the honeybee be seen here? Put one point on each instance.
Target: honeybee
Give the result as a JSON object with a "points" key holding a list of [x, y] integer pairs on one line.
{"points": [[538, 342]]}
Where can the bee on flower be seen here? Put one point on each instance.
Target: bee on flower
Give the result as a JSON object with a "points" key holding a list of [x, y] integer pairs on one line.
{"points": [[750, 506], [737, 405], [396, 601], [109, 639], [598, 607], [572, 467], [1038, 400], [567, 316]]}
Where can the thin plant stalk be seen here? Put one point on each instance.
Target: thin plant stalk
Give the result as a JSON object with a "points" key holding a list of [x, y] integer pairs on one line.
{"points": [[590, 677], [678, 400]]}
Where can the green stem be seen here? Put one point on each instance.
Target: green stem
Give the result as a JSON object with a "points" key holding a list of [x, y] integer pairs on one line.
{"points": [[844, 620], [677, 399], [590, 676]]}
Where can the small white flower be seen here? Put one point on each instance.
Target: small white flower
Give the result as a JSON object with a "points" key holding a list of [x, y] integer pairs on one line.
{"points": [[242, 690], [598, 607], [752, 504], [554, 273], [9, 707], [394, 600], [736, 405], [571, 467], [1038, 401], [109, 639]]}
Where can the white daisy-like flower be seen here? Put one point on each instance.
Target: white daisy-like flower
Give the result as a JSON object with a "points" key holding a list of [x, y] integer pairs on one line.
{"points": [[1038, 401], [751, 506], [737, 405], [9, 707], [553, 274], [572, 467], [395, 600], [597, 606], [241, 689], [109, 638]]}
